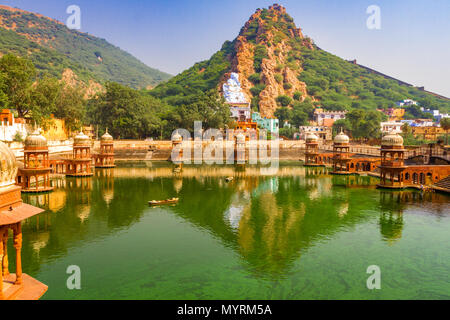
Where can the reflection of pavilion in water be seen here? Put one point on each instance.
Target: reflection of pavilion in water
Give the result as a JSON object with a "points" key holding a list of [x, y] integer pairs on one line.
{"points": [[105, 181], [69, 206]]}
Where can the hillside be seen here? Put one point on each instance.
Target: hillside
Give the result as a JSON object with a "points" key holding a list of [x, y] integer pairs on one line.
{"points": [[53, 47], [279, 66]]}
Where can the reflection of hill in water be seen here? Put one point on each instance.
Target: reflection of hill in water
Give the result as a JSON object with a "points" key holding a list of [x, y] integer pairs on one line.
{"points": [[268, 220]]}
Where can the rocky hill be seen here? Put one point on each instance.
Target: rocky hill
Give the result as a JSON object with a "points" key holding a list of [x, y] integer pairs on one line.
{"points": [[279, 66], [54, 48]]}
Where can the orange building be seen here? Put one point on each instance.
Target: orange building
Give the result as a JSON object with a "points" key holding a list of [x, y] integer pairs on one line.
{"points": [[6, 117], [13, 211], [56, 130], [428, 133], [395, 114]]}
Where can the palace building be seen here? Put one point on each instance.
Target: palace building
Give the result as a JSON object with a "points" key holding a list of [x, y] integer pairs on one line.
{"points": [[80, 164], [13, 211], [105, 159], [34, 177], [394, 173]]}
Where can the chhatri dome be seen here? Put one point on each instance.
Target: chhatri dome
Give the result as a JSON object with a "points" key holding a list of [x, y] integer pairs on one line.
{"points": [[240, 138], [342, 138], [177, 137], [81, 139], [311, 137], [36, 140], [8, 166], [392, 140], [107, 136]]}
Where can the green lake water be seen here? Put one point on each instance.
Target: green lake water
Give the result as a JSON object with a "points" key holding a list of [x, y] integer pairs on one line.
{"points": [[298, 233]]}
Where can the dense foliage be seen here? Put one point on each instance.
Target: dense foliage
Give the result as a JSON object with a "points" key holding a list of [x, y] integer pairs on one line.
{"points": [[340, 84], [52, 47], [360, 124], [37, 98], [132, 114], [203, 76]]}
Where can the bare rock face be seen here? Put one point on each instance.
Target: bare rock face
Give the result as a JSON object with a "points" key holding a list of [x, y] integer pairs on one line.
{"points": [[90, 89], [268, 28], [242, 64]]}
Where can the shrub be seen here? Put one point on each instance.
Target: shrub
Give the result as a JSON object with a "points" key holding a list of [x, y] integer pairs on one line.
{"points": [[255, 78], [284, 101], [259, 55], [298, 95], [278, 77], [256, 90], [279, 67], [287, 86]]}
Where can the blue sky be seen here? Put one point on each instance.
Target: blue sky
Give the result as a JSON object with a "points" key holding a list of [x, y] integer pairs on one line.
{"points": [[413, 43]]}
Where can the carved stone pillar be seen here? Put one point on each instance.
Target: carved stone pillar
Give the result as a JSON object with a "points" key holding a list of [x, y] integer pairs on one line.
{"points": [[1, 258], [18, 246], [5, 264]]}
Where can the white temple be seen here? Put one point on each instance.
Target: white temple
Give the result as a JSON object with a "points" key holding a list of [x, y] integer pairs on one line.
{"points": [[232, 91]]}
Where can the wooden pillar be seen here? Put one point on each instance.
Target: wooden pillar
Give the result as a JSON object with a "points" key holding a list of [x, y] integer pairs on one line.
{"points": [[18, 246]]}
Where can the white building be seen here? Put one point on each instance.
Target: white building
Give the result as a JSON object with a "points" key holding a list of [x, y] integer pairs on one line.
{"points": [[327, 118], [437, 115], [10, 128], [391, 126], [325, 133], [407, 102]]}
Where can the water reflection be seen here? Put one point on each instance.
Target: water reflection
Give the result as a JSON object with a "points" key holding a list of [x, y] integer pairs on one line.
{"points": [[270, 219]]}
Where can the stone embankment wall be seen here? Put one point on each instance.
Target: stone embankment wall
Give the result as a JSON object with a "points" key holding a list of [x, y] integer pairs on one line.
{"points": [[161, 150]]}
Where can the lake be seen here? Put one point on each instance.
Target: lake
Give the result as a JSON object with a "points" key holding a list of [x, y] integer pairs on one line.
{"points": [[291, 233]]}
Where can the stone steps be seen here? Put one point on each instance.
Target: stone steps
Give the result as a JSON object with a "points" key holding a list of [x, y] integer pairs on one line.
{"points": [[443, 184]]}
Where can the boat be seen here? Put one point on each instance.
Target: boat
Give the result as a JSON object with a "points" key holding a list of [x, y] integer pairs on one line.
{"points": [[160, 202], [229, 179]]}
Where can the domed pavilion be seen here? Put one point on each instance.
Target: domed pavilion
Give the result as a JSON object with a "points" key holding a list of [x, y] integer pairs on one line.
{"points": [[341, 154], [105, 159], [392, 162], [312, 158], [80, 164], [34, 177]]}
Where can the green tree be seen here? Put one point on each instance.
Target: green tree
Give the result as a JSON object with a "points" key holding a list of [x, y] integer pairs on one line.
{"points": [[71, 106], [18, 75], [125, 111], [209, 108], [283, 114], [283, 100], [42, 100], [445, 124]]}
